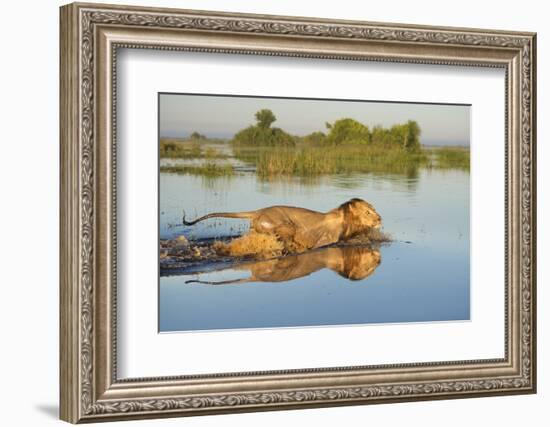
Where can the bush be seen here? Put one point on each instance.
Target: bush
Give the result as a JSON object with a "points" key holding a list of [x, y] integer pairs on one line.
{"points": [[315, 138], [348, 131], [351, 132], [258, 136]]}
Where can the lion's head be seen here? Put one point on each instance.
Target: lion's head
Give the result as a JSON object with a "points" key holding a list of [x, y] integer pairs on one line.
{"points": [[359, 217]]}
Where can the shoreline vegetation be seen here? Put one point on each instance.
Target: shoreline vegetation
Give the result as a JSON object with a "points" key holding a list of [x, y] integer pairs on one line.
{"points": [[346, 147]]}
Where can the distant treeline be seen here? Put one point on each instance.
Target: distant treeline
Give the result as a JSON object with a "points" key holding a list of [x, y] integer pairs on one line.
{"points": [[342, 132]]}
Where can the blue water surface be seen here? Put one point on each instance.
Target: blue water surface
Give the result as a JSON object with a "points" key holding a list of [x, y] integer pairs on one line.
{"points": [[424, 274]]}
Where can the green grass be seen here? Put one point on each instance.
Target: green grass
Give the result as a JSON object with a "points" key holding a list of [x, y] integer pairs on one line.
{"points": [[451, 158], [208, 169], [315, 161]]}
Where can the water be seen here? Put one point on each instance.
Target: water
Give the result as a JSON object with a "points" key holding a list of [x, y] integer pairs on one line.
{"points": [[423, 275]]}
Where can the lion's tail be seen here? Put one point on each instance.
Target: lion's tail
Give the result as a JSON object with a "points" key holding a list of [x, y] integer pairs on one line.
{"points": [[240, 215]]}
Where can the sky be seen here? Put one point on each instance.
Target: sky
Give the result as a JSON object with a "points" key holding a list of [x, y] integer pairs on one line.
{"points": [[223, 116]]}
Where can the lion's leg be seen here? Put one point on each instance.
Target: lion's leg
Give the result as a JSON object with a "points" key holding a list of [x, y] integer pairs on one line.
{"points": [[286, 233]]}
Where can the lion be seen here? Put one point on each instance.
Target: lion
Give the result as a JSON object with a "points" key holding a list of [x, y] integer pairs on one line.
{"points": [[352, 262], [301, 229]]}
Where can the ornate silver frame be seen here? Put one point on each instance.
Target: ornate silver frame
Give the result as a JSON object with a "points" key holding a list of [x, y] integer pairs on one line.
{"points": [[90, 36]]}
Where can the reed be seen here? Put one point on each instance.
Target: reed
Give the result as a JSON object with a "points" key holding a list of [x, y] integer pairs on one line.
{"points": [[315, 161], [312, 160], [451, 158], [187, 149]]}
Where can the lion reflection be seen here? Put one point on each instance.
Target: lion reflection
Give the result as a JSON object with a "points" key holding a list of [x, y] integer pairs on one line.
{"points": [[353, 263]]}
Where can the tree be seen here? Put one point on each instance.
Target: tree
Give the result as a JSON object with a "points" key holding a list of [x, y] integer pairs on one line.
{"points": [[196, 135], [265, 118], [399, 135], [262, 134], [413, 136], [381, 136]]}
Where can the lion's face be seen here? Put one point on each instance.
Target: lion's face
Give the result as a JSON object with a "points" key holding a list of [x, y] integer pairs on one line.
{"points": [[364, 215]]}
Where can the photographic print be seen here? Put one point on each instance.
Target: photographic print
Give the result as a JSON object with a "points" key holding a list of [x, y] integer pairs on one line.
{"points": [[308, 198], [290, 212]]}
